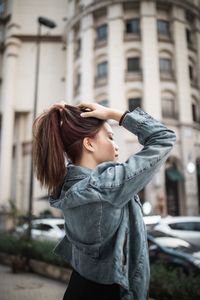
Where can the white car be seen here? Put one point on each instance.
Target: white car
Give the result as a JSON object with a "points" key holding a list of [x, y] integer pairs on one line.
{"points": [[186, 228], [44, 229], [151, 221]]}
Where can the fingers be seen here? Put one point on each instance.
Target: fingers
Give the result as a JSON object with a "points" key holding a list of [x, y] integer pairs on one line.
{"points": [[87, 114], [91, 106]]}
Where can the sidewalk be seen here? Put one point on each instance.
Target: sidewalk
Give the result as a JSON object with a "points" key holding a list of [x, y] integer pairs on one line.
{"points": [[28, 286]]}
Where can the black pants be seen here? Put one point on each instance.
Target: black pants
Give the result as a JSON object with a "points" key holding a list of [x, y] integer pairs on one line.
{"points": [[80, 288]]}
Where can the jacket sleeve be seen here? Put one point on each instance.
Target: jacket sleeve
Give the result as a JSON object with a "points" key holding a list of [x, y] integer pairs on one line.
{"points": [[117, 183]]}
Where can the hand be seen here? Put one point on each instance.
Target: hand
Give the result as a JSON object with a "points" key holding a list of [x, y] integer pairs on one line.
{"points": [[100, 112], [94, 110]]}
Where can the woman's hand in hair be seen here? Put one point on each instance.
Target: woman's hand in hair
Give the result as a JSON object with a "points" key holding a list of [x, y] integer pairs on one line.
{"points": [[99, 111]]}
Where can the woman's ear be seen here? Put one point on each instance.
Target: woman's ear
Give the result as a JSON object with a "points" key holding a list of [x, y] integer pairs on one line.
{"points": [[88, 144]]}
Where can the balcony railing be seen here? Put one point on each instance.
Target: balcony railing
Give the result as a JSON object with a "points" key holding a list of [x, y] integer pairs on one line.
{"points": [[170, 114], [167, 75], [101, 81], [133, 76]]}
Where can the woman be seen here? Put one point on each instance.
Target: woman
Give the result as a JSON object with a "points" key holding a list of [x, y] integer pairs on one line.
{"points": [[105, 241]]}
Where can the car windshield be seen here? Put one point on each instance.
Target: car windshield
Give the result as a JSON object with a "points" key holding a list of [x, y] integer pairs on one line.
{"points": [[61, 226]]}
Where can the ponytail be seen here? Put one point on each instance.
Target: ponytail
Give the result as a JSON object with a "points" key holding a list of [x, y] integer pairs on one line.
{"points": [[48, 151], [58, 135]]}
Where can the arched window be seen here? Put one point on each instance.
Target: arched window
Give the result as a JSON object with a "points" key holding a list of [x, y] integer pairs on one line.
{"points": [[133, 26], [77, 81], [166, 65], [163, 28], [173, 177], [102, 32], [198, 179], [195, 110], [134, 99], [168, 104], [101, 70], [133, 63], [77, 41], [134, 103], [192, 71]]}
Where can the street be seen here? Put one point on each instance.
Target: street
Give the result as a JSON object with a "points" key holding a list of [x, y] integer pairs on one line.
{"points": [[28, 286]]}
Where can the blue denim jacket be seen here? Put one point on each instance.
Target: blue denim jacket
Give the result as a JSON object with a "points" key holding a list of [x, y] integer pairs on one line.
{"points": [[105, 237]]}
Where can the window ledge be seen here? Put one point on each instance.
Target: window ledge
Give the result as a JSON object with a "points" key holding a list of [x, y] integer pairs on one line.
{"points": [[165, 38], [101, 81], [171, 116], [100, 44], [133, 76], [131, 37], [167, 76]]}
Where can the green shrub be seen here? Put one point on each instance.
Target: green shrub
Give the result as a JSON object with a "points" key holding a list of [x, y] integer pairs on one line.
{"points": [[173, 284], [40, 250]]}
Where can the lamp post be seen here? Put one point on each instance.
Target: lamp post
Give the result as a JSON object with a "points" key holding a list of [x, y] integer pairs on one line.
{"points": [[50, 24]]}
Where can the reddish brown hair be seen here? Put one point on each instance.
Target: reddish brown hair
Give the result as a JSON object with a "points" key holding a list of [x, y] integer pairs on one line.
{"points": [[58, 134]]}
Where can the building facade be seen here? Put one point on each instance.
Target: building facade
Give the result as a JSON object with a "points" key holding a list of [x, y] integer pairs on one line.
{"points": [[121, 54]]}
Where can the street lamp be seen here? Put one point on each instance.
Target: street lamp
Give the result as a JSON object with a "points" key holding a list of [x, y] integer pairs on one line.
{"points": [[50, 24]]}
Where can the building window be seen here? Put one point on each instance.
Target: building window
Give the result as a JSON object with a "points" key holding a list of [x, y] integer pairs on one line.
{"points": [[134, 103], [165, 65], [163, 27], [77, 83], [78, 48], [133, 64], [102, 70], [168, 110], [194, 112], [102, 32], [188, 33], [2, 8], [133, 26], [191, 72], [103, 102]]}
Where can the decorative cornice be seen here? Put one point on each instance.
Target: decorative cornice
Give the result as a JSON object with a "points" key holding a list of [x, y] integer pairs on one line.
{"points": [[95, 5], [42, 38]]}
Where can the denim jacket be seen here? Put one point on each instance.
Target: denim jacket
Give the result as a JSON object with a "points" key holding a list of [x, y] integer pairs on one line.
{"points": [[105, 237]]}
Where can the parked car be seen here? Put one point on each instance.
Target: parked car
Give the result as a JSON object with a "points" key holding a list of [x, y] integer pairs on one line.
{"points": [[44, 229], [186, 228], [173, 252], [151, 221]]}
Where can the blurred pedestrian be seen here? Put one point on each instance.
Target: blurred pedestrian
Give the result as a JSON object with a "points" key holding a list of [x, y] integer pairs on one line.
{"points": [[105, 241]]}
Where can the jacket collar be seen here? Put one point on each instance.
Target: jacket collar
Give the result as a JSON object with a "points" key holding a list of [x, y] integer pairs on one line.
{"points": [[76, 172]]}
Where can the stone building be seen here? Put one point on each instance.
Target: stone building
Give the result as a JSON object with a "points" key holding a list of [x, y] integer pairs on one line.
{"points": [[121, 54]]}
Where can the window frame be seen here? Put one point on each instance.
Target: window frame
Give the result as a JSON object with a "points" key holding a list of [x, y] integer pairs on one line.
{"points": [[165, 33], [131, 21], [100, 74], [134, 99], [137, 63], [100, 38]]}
